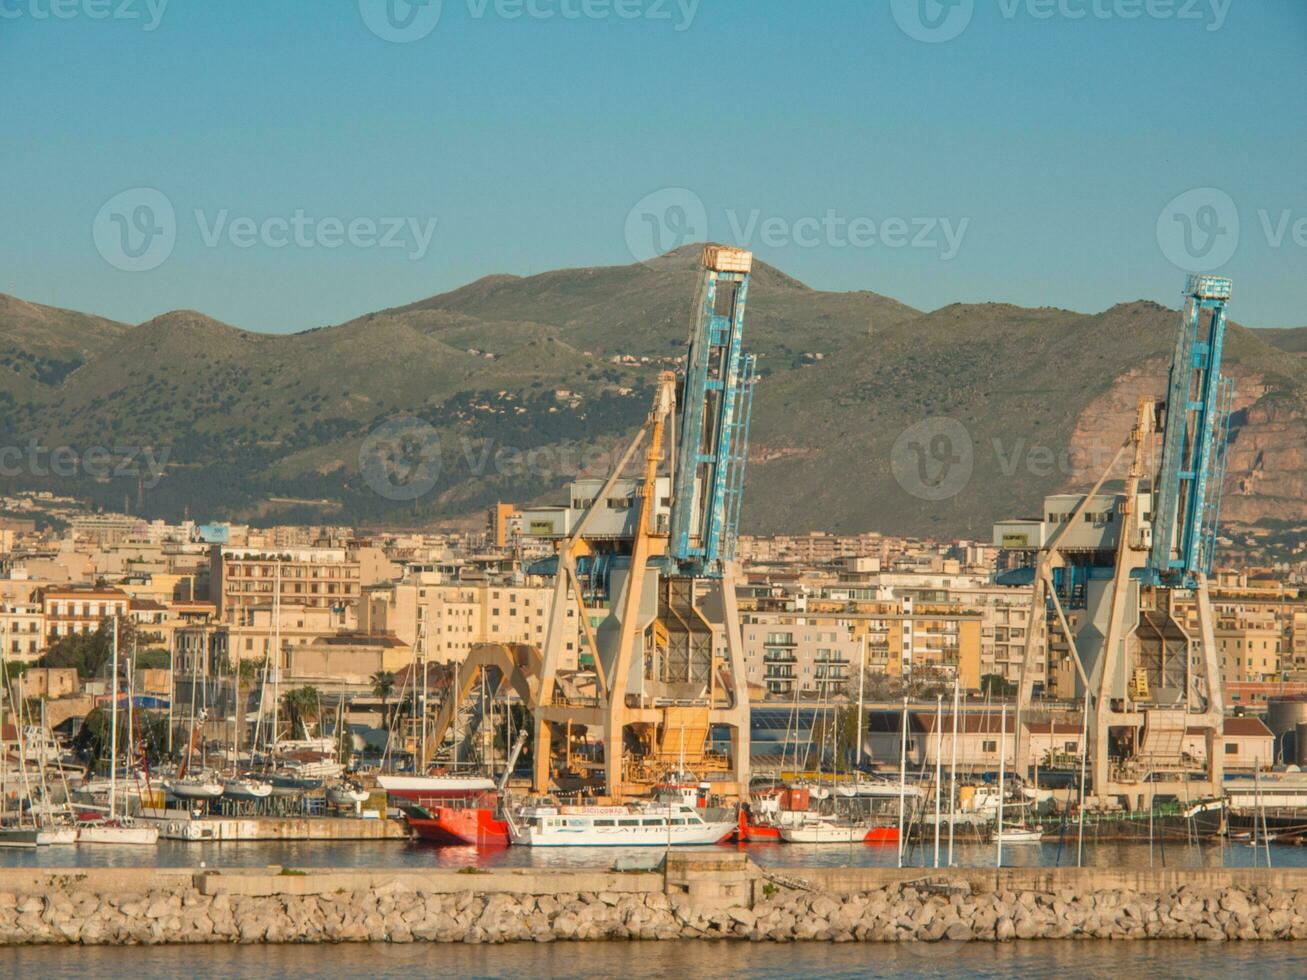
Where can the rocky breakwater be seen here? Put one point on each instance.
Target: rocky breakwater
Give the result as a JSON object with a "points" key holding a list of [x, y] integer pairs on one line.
{"points": [[402, 912]]}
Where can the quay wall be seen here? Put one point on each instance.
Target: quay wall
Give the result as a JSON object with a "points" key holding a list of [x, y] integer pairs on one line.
{"points": [[724, 897]]}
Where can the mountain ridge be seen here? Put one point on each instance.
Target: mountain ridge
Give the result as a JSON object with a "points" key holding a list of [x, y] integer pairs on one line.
{"points": [[565, 360]]}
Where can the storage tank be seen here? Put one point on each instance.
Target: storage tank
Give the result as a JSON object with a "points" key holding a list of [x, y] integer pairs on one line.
{"points": [[1300, 745], [1284, 716]]}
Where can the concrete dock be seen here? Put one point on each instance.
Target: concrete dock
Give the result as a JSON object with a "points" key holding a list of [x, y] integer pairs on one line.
{"points": [[226, 829], [694, 896]]}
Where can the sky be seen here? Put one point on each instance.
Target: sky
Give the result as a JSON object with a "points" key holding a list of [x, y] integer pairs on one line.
{"points": [[291, 164]]}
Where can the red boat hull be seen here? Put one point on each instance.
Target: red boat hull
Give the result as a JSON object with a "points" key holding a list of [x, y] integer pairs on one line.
{"points": [[882, 835], [750, 833], [462, 827]]}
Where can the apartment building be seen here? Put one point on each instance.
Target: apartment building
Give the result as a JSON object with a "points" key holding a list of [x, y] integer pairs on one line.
{"points": [[442, 621], [798, 656], [69, 611], [22, 631], [319, 578]]}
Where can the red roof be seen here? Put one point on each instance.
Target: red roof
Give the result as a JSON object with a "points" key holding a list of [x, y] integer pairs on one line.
{"points": [[971, 723]]}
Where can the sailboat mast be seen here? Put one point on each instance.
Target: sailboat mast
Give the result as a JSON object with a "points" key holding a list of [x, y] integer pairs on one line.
{"points": [[113, 726], [1002, 778], [939, 766], [903, 774], [276, 647], [953, 772]]}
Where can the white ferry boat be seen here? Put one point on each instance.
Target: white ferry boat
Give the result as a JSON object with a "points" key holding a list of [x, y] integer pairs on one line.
{"points": [[634, 825]]}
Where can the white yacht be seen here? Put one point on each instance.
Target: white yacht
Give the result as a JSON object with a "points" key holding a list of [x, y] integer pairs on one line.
{"points": [[634, 825]]}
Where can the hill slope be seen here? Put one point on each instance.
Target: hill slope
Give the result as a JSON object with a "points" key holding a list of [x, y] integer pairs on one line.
{"points": [[869, 414]]}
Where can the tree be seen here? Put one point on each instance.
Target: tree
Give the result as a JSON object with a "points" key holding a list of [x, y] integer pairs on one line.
{"points": [[383, 684], [303, 705], [925, 682], [155, 658], [998, 686], [92, 740], [91, 653], [251, 670]]}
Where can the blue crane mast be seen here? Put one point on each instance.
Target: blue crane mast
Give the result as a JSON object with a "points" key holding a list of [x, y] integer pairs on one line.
{"points": [[715, 408], [1187, 496]]}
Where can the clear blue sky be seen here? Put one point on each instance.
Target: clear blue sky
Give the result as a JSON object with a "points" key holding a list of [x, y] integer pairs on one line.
{"points": [[1059, 142]]}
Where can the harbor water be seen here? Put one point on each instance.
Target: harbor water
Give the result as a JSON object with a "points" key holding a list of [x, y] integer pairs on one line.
{"points": [[1056, 959], [412, 855]]}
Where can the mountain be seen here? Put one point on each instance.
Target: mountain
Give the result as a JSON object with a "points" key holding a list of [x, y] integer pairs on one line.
{"points": [[869, 414], [41, 345], [1294, 340]]}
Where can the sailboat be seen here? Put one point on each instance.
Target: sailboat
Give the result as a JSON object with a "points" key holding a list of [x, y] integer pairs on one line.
{"points": [[247, 788], [23, 836], [199, 787], [1020, 834], [113, 829]]}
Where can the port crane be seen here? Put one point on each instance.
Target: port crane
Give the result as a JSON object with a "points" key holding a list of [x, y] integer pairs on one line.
{"points": [[645, 565], [1123, 578]]}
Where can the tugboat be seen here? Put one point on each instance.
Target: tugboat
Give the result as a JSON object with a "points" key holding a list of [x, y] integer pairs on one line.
{"points": [[476, 821]]}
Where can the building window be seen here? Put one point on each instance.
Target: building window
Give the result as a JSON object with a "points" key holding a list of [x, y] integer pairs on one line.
{"points": [[990, 745], [1231, 748]]}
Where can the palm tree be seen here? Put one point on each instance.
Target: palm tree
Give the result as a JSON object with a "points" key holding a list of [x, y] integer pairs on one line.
{"points": [[383, 683]]}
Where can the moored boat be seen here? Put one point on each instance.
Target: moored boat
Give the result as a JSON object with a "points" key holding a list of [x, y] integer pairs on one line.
{"points": [[450, 826], [346, 794], [18, 837], [1021, 834], [633, 825], [433, 790], [248, 789], [57, 834], [199, 788], [116, 831]]}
